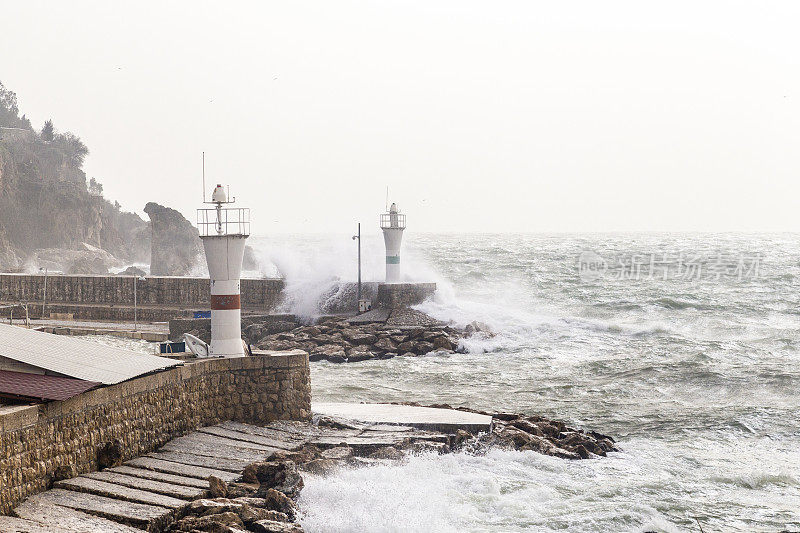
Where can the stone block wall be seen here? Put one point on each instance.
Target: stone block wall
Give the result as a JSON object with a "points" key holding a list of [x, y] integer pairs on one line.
{"points": [[145, 413], [393, 295], [154, 292]]}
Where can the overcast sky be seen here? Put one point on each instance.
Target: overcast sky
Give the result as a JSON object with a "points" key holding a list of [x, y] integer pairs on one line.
{"points": [[479, 116]]}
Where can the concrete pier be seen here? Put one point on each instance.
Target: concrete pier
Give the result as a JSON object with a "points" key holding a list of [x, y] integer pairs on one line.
{"points": [[428, 418]]}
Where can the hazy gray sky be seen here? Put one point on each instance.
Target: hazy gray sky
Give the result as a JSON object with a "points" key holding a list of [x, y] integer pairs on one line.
{"points": [[480, 116]]}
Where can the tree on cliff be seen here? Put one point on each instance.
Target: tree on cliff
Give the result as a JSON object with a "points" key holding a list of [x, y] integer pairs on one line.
{"points": [[48, 132], [9, 111]]}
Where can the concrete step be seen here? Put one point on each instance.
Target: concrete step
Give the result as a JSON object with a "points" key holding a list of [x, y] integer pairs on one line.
{"points": [[9, 524], [151, 518], [118, 492], [248, 437], [289, 435], [181, 469], [205, 439], [159, 487], [34, 509], [159, 476], [234, 466]]}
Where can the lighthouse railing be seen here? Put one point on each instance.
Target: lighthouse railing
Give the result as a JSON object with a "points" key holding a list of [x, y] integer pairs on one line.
{"points": [[393, 220], [225, 221]]}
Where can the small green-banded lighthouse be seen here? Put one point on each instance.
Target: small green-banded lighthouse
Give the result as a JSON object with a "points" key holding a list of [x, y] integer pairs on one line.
{"points": [[393, 223]]}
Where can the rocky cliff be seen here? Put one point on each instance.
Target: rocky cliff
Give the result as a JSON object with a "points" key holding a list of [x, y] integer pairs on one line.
{"points": [[175, 244], [46, 203]]}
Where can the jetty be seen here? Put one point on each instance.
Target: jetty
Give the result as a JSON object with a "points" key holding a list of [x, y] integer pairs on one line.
{"points": [[428, 418]]}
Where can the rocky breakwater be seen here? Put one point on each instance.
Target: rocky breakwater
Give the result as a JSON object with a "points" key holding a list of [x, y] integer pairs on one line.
{"points": [[536, 433], [405, 333]]}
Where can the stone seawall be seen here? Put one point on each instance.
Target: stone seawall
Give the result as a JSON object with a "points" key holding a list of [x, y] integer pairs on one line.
{"points": [[160, 298], [144, 413], [154, 291], [393, 295]]}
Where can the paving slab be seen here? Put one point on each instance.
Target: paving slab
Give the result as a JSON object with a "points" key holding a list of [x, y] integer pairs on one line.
{"points": [[302, 430], [149, 517], [159, 476], [218, 451], [9, 524], [359, 443], [46, 514], [415, 434], [270, 431], [234, 466], [251, 438], [159, 487], [118, 492], [205, 439], [429, 418], [181, 469]]}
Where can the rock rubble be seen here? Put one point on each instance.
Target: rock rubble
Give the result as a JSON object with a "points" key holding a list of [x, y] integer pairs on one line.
{"points": [[340, 341]]}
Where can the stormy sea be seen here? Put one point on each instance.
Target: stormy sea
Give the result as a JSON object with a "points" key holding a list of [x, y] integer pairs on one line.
{"points": [[684, 347]]}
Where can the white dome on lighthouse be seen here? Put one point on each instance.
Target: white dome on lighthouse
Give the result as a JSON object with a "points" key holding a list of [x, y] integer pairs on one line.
{"points": [[219, 196]]}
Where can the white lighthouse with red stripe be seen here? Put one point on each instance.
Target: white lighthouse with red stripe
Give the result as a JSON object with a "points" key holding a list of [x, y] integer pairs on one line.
{"points": [[223, 231]]}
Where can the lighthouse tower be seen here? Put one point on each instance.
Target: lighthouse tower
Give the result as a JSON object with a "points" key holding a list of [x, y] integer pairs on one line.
{"points": [[223, 231], [393, 223]]}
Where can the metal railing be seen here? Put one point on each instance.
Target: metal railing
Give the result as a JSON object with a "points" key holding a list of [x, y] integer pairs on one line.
{"points": [[393, 220], [223, 221]]}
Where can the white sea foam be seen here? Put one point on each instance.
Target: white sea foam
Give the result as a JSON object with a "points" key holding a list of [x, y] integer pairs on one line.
{"points": [[697, 379]]}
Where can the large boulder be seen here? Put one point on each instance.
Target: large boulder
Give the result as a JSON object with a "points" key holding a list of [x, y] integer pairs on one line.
{"points": [[133, 271], [175, 246], [9, 260], [279, 475], [272, 526]]}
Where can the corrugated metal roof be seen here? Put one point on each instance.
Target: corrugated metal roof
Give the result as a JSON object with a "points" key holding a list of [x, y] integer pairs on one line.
{"points": [[41, 387], [77, 358]]}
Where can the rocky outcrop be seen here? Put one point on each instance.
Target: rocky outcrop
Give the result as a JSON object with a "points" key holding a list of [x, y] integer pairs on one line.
{"points": [[539, 434], [175, 246], [46, 203], [263, 502]]}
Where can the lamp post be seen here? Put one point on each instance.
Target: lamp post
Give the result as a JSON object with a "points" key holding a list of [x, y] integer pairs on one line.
{"points": [[44, 299], [135, 313], [358, 237]]}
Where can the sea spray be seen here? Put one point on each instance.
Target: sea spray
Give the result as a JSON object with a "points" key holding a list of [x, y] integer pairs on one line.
{"points": [[314, 268]]}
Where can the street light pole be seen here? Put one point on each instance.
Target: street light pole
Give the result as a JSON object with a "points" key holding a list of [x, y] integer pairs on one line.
{"points": [[135, 318], [135, 303], [358, 302], [44, 300]]}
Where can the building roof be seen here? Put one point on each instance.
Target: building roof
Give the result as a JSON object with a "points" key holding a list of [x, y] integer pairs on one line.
{"points": [[26, 386], [77, 358]]}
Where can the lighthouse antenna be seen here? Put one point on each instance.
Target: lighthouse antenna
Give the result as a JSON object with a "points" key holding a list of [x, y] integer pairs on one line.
{"points": [[204, 177], [387, 198]]}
